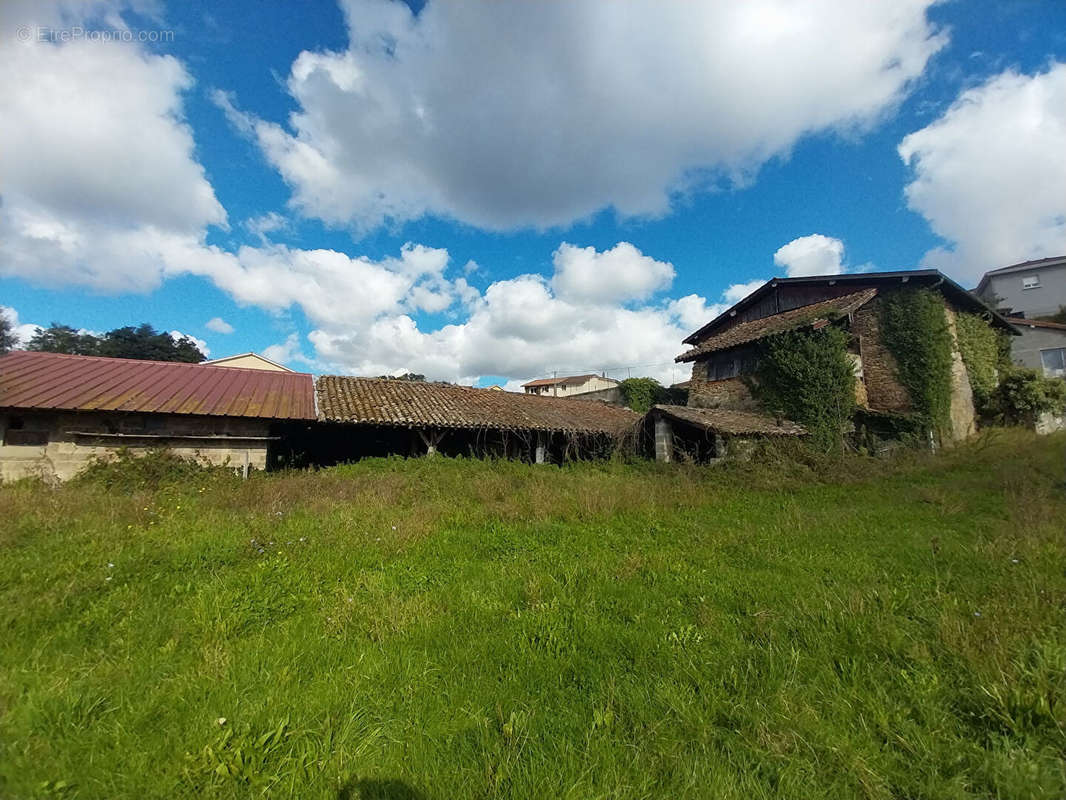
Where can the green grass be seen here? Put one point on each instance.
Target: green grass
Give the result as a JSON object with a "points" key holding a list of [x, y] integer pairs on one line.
{"points": [[449, 629]]}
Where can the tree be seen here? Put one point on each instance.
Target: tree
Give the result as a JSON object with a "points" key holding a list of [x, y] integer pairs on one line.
{"points": [[7, 336], [145, 342], [140, 342], [58, 338]]}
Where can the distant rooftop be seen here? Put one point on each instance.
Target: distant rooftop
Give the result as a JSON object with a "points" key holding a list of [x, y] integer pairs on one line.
{"points": [[568, 380]]}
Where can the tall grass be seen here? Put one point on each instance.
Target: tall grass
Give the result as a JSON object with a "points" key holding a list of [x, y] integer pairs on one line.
{"points": [[446, 629]]}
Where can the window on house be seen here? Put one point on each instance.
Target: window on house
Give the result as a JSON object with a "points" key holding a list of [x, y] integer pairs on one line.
{"points": [[1054, 362], [1031, 282]]}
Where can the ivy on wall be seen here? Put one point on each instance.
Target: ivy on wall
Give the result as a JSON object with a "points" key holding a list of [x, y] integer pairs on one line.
{"points": [[986, 353], [807, 376], [915, 330]]}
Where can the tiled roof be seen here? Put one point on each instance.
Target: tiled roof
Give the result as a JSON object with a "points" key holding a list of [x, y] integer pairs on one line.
{"points": [[737, 423], [372, 401], [90, 383], [566, 381], [756, 329]]}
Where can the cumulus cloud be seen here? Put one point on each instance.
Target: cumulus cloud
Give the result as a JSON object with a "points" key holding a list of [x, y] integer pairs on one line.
{"points": [[989, 174], [23, 331], [811, 255], [621, 273], [219, 325], [528, 114], [98, 163]]}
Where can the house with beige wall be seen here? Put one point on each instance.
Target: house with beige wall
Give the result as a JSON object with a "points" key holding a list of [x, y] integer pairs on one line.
{"points": [[570, 385], [247, 361]]}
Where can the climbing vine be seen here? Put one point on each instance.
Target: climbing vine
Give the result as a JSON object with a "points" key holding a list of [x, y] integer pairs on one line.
{"points": [[914, 327], [982, 348], [807, 376]]}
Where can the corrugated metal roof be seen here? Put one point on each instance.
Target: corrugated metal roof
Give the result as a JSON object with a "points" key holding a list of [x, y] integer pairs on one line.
{"points": [[737, 423], [91, 383], [373, 401], [779, 323]]}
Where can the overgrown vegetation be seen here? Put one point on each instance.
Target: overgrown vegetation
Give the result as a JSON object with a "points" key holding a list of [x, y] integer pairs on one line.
{"points": [[439, 629], [915, 330], [129, 471], [1024, 394], [640, 394], [807, 376], [986, 353]]}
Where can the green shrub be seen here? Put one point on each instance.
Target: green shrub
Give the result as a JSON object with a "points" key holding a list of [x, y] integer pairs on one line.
{"points": [[1024, 394], [807, 376], [914, 327], [154, 469]]}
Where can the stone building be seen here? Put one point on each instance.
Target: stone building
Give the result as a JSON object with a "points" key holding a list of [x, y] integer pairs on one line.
{"points": [[723, 352], [57, 411]]}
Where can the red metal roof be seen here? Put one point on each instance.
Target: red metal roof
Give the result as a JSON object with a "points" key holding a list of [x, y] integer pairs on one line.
{"points": [[91, 383]]}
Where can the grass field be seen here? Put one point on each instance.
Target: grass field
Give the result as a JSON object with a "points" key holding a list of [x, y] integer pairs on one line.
{"points": [[447, 629]]}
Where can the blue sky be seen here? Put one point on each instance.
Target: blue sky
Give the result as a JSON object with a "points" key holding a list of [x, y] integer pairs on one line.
{"points": [[570, 187]]}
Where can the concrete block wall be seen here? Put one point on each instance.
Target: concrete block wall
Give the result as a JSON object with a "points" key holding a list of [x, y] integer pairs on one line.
{"points": [[62, 452]]}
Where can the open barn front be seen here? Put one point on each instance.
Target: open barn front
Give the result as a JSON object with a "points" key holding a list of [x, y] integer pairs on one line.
{"points": [[327, 444]]}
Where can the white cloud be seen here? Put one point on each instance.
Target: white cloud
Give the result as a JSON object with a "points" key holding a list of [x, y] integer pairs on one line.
{"points": [[619, 274], [261, 226], [285, 352], [200, 343], [989, 175], [811, 255], [506, 115], [23, 331], [525, 327], [219, 325], [98, 163]]}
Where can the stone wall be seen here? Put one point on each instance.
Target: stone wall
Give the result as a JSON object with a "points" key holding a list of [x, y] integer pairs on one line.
{"points": [[884, 392], [56, 445], [729, 393], [963, 415]]}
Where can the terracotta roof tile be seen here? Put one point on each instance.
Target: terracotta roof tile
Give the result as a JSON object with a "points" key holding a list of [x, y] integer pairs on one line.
{"points": [[735, 423], [373, 401], [756, 329], [91, 383]]}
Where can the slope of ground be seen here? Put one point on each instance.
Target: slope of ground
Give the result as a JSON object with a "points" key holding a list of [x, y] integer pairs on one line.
{"points": [[448, 629]]}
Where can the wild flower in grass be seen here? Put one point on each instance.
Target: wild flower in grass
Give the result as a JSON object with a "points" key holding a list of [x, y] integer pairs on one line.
{"points": [[977, 613], [110, 564], [108, 577], [221, 720]]}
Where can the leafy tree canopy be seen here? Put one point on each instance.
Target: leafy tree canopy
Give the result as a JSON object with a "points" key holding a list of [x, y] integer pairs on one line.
{"points": [[7, 336], [138, 342]]}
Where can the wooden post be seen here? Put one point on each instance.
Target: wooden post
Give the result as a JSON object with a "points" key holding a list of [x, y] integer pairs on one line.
{"points": [[431, 439]]}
